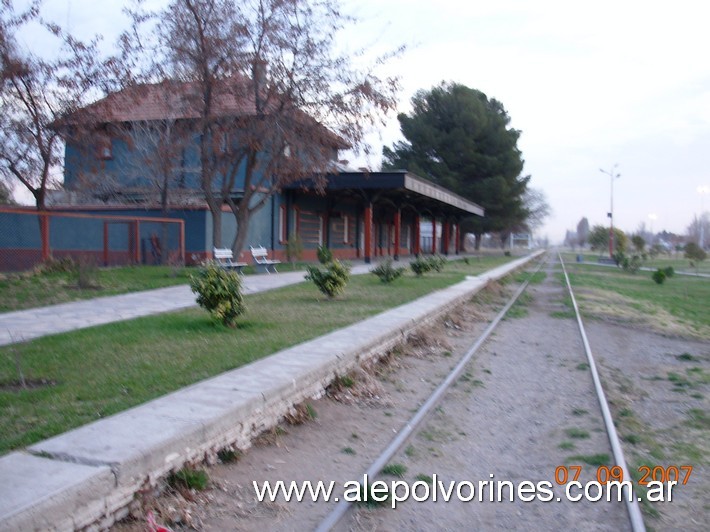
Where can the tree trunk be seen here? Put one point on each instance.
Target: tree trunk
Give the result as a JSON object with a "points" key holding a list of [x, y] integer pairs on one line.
{"points": [[242, 217], [478, 237]]}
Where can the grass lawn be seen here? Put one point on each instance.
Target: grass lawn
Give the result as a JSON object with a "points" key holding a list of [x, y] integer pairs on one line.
{"points": [[27, 290], [679, 306], [677, 261], [103, 370]]}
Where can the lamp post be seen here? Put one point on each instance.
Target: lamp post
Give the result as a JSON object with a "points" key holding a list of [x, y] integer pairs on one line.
{"points": [[613, 174], [702, 190]]}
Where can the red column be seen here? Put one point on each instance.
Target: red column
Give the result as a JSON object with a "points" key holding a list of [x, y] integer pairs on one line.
{"points": [[397, 229], [433, 235], [368, 233], [445, 237], [458, 238]]}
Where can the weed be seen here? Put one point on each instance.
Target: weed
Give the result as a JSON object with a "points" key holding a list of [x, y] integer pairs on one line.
{"points": [[698, 418], [591, 459], [567, 445], [301, 413], [354, 436], [348, 450], [410, 451], [633, 439], [583, 366], [562, 314], [579, 412], [228, 455], [578, 434], [424, 478], [188, 478], [687, 357], [394, 470]]}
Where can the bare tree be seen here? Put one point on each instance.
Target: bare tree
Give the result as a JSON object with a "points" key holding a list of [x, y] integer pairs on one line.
{"points": [[536, 206], [36, 96], [698, 230], [271, 97]]}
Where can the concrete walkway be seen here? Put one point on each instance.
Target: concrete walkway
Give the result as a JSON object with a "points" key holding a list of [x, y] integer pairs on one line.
{"points": [[23, 325]]}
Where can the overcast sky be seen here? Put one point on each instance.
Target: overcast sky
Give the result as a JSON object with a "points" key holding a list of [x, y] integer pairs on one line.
{"points": [[589, 84]]}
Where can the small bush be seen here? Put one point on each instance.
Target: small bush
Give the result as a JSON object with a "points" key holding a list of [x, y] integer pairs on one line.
{"points": [[219, 292], [659, 276], [332, 281], [387, 273], [394, 470], [669, 271], [294, 248], [632, 265], [437, 262], [325, 256], [420, 266]]}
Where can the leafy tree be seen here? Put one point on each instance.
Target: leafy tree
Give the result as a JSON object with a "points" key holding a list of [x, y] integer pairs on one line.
{"points": [[582, 231], [304, 98], [37, 94], [599, 239], [638, 242], [695, 254], [459, 138]]}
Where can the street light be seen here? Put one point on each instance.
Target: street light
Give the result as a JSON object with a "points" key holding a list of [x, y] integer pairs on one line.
{"points": [[613, 175], [702, 190]]}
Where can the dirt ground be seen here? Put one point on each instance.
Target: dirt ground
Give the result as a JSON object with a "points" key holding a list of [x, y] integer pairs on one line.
{"points": [[524, 407]]}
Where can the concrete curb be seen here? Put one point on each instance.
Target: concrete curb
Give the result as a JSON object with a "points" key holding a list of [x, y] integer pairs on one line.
{"points": [[88, 477]]}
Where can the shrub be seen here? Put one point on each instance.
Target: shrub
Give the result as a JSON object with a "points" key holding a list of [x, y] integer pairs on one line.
{"points": [[659, 276], [437, 262], [420, 266], [332, 280], [294, 248], [387, 273], [632, 265], [219, 292], [324, 255], [669, 271]]}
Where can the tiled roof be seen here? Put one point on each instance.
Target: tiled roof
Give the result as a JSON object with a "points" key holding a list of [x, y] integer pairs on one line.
{"points": [[234, 97]]}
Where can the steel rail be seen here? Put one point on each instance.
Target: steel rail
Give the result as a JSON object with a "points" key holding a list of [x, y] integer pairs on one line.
{"points": [[632, 504], [343, 505]]}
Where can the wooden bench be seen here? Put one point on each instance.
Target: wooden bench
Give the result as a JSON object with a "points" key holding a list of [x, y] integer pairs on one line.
{"points": [[224, 256], [261, 259]]}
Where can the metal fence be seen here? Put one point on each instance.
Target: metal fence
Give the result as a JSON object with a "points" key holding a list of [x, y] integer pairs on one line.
{"points": [[29, 237]]}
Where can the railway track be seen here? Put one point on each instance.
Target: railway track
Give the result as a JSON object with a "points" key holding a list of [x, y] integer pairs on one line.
{"points": [[564, 472], [499, 397]]}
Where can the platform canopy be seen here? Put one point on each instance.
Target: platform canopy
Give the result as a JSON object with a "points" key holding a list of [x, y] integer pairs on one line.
{"points": [[398, 186]]}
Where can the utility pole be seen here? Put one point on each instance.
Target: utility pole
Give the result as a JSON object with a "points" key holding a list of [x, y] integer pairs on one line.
{"points": [[613, 174]]}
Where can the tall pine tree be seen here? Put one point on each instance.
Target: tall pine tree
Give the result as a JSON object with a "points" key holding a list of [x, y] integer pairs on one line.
{"points": [[460, 139]]}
